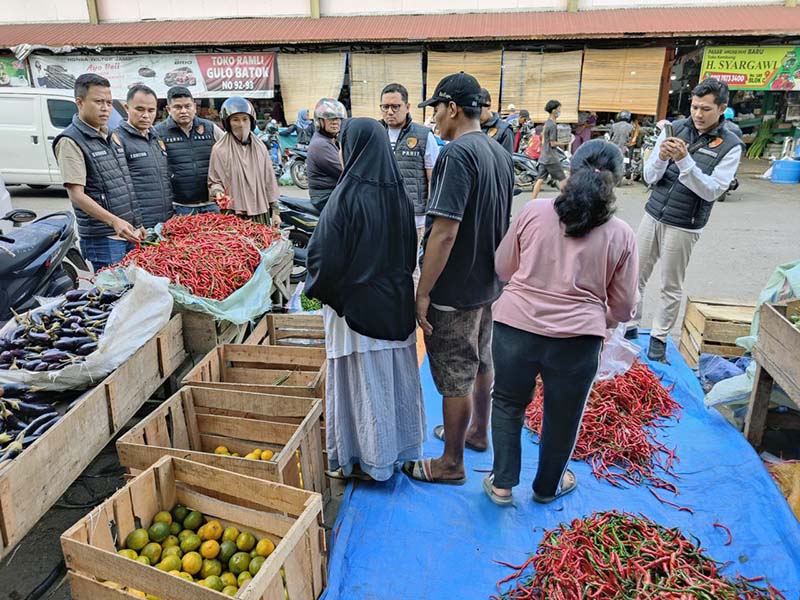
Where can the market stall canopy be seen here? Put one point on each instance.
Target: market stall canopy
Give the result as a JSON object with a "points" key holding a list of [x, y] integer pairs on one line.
{"points": [[531, 79], [718, 21], [370, 73], [486, 67], [305, 78], [628, 79]]}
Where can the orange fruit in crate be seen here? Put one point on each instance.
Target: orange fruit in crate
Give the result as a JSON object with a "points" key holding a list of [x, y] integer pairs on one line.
{"points": [[221, 450], [170, 541], [229, 578], [128, 553], [152, 551], [186, 576], [175, 528], [265, 547], [193, 521], [230, 534], [158, 532], [214, 583], [192, 563], [239, 562], [191, 543], [209, 549], [243, 578], [267, 455], [184, 534], [137, 539], [176, 573], [172, 551], [169, 563], [255, 565], [144, 560], [246, 541], [163, 517], [226, 550], [212, 531], [230, 590], [211, 567], [179, 513]]}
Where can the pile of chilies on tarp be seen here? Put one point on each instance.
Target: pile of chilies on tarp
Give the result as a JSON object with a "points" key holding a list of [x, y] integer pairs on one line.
{"points": [[612, 555], [617, 433], [211, 255]]}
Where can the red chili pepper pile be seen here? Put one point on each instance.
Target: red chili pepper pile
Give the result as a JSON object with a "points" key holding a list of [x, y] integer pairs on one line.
{"points": [[617, 431], [209, 254], [611, 555]]}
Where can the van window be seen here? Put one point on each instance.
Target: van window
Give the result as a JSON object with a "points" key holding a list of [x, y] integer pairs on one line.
{"points": [[61, 112], [17, 111]]}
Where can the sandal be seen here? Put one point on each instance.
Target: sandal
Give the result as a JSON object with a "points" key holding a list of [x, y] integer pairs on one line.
{"points": [[420, 470], [565, 489], [496, 498], [438, 433], [339, 474]]}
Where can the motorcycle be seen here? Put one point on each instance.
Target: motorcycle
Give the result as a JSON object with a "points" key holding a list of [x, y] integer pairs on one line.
{"points": [[40, 260], [297, 166], [270, 139], [299, 217], [526, 169]]}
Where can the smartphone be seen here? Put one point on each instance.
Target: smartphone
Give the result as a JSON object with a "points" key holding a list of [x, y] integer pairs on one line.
{"points": [[668, 130]]}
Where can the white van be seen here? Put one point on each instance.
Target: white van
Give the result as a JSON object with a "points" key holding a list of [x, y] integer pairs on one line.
{"points": [[30, 119]]}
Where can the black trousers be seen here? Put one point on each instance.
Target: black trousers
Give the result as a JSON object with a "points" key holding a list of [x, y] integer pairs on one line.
{"points": [[568, 367]]}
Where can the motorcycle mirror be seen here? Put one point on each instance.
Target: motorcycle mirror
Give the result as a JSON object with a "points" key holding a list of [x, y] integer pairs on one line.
{"points": [[19, 216]]}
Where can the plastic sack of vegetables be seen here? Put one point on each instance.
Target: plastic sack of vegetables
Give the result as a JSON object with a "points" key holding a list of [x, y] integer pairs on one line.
{"points": [[73, 342]]}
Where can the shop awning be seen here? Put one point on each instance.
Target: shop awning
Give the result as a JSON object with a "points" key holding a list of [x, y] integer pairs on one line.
{"points": [[531, 79], [721, 21], [305, 78], [370, 73], [629, 79], [486, 67]]}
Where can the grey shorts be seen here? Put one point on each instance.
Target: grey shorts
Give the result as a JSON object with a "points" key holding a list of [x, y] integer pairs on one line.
{"points": [[555, 170], [459, 348]]}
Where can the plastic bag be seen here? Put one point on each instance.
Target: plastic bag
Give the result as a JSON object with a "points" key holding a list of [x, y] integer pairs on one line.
{"points": [[295, 303], [618, 354], [138, 316], [713, 369], [783, 284]]}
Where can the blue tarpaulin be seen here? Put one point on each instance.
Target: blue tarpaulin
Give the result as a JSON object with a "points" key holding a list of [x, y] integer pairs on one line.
{"points": [[412, 541]]}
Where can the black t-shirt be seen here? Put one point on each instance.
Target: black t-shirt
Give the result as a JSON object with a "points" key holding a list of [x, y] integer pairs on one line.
{"points": [[473, 183]]}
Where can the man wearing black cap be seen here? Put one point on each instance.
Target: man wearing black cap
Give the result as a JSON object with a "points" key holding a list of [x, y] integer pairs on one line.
{"points": [[468, 215], [493, 126]]}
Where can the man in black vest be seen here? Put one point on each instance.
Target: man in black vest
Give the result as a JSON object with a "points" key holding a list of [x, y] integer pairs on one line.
{"points": [[414, 147], [95, 173], [493, 126], [189, 141], [147, 156], [688, 172]]}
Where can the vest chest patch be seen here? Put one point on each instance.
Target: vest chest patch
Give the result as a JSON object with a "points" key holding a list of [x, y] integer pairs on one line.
{"points": [[97, 153], [411, 142], [708, 152], [412, 153], [492, 132], [137, 155], [173, 140], [202, 137]]}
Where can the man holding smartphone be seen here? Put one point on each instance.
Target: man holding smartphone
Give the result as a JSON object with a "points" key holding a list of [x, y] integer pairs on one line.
{"points": [[690, 167]]}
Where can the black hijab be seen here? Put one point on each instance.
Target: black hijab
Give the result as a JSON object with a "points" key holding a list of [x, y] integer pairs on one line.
{"points": [[363, 252]]}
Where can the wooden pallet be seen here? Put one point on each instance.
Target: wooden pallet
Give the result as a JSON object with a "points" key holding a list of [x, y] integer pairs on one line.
{"points": [[777, 355], [712, 326], [33, 482], [281, 370], [277, 329], [195, 421], [292, 518]]}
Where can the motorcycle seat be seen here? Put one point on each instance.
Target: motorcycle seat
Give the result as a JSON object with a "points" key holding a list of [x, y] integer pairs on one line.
{"points": [[300, 204], [22, 246]]}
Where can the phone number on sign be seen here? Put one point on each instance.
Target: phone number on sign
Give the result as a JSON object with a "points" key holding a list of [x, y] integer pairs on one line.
{"points": [[238, 85]]}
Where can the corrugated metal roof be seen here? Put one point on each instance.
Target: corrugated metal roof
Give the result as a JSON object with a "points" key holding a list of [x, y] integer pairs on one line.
{"points": [[666, 22]]}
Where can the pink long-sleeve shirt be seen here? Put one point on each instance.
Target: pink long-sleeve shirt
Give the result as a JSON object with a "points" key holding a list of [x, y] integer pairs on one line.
{"points": [[561, 286]]}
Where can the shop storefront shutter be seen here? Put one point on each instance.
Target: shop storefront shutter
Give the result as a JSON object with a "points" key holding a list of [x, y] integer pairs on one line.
{"points": [[614, 80], [305, 78], [531, 79], [370, 73], [484, 66]]}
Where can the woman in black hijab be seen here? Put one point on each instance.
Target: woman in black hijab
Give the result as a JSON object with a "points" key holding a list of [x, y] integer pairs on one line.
{"points": [[360, 263]]}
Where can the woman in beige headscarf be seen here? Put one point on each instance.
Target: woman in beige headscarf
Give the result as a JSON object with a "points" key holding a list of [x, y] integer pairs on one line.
{"points": [[241, 168]]}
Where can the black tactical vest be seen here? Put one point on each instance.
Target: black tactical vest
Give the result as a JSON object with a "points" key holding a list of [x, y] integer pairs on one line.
{"points": [[188, 157]]}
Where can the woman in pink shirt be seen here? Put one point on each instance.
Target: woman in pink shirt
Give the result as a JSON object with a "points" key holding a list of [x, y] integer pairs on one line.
{"points": [[572, 269]]}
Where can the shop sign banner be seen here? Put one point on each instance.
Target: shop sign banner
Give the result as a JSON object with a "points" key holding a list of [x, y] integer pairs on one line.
{"points": [[775, 68], [13, 72], [250, 74]]}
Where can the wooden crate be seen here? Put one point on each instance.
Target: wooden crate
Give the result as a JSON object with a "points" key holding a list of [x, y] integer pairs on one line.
{"points": [[777, 355], [195, 421], [290, 517], [261, 369], [33, 482], [202, 332], [277, 329], [712, 326]]}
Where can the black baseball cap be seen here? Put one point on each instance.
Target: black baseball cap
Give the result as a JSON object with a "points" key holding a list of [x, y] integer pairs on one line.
{"points": [[461, 88]]}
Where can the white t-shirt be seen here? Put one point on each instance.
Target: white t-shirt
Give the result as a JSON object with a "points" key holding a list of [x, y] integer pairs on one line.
{"points": [[431, 154], [341, 341]]}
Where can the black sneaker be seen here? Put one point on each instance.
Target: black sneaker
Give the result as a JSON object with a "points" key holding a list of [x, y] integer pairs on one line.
{"points": [[632, 333], [657, 350]]}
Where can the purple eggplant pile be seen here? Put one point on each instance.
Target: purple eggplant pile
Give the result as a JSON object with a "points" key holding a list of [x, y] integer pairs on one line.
{"points": [[65, 335]]}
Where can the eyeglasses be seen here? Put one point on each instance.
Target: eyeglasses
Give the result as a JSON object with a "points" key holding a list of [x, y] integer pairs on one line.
{"points": [[392, 107]]}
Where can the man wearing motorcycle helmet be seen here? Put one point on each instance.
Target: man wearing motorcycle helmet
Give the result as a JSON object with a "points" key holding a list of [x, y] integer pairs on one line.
{"points": [[240, 170], [323, 166], [621, 130]]}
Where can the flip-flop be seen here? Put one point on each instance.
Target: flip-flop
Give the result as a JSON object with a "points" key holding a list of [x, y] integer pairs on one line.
{"points": [[563, 492], [438, 433], [420, 470], [496, 498], [339, 474]]}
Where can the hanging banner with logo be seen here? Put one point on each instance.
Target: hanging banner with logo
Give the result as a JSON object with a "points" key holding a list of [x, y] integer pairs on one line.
{"points": [[13, 72], [775, 68], [249, 74]]}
